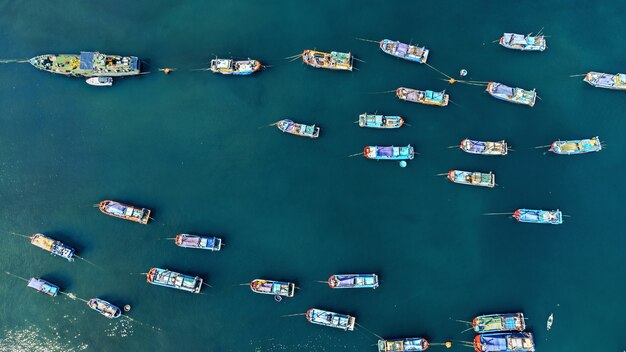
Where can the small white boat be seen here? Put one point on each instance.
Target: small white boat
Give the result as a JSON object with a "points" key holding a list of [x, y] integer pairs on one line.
{"points": [[550, 321], [100, 81]]}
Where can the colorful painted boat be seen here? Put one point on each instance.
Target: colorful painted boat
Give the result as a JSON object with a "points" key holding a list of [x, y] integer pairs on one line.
{"points": [[380, 121], [403, 345], [505, 342], [554, 217], [123, 211], [100, 81], [53, 246], [332, 61], [512, 95], [43, 286], [298, 129], [105, 308], [472, 178], [499, 323], [190, 241], [484, 148], [427, 97], [275, 288], [576, 146], [233, 67], [388, 152], [88, 64], [606, 80], [330, 319], [550, 321], [405, 51], [523, 42], [171, 279], [353, 281]]}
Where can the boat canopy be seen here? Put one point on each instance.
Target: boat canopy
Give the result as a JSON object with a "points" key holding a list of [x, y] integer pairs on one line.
{"points": [[436, 96], [402, 48], [512, 38], [37, 284], [116, 209], [86, 60], [502, 89]]}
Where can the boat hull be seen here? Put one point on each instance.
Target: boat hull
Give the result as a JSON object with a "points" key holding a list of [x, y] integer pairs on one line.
{"points": [[606, 80], [404, 51], [534, 216], [353, 281], [275, 288], [499, 323], [380, 121], [512, 95], [185, 240], [523, 43], [43, 286], [88, 64], [235, 68], [124, 211], [388, 152], [171, 279], [484, 148], [53, 246], [330, 61], [577, 146], [106, 309], [426, 97], [330, 319], [469, 178], [505, 342], [403, 345], [298, 129]]}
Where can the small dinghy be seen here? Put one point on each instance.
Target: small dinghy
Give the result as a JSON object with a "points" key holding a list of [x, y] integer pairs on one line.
{"points": [[554, 217], [484, 148], [100, 81], [576, 146], [330, 319], [512, 95], [275, 288], [499, 323], [105, 308], [427, 97], [123, 211], [53, 246], [190, 241], [550, 321], [388, 152], [404, 51], [353, 281], [43, 286], [298, 129], [403, 345], [472, 178], [505, 342], [380, 121], [523, 42], [232, 67], [606, 80]]}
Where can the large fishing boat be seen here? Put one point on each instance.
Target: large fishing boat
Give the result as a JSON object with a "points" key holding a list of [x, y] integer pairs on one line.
{"points": [[499, 323], [403, 345], [523, 42], [123, 211], [512, 95], [405, 51], [606, 80], [233, 67], [576, 146], [190, 241], [276, 288], [43, 286], [53, 246], [380, 121], [88, 64], [171, 279], [472, 178], [505, 342], [388, 152], [298, 129], [427, 97], [484, 148], [331, 319], [353, 281], [105, 308], [554, 217], [332, 61]]}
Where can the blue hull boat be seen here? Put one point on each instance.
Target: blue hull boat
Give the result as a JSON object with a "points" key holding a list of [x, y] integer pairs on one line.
{"points": [[330, 319], [388, 152], [53, 246], [403, 345], [212, 243], [554, 217], [404, 51], [43, 286], [577, 146], [171, 279], [499, 323], [353, 281], [505, 342]]}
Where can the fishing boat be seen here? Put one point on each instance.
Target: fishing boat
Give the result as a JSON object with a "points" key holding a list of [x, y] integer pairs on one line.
{"points": [[298, 129], [576, 146], [499, 323], [472, 178], [405, 51], [505, 342], [123, 211], [403, 345], [190, 241], [100, 81], [484, 148], [427, 97], [105, 308], [554, 217], [331, 319], [171, 279], [233, 67], [606, 80], [523, 42], [88, 64], [380, 121], [276, 288], [550, 321], [388, 152], [53, 246], [43, 286], [512, 95], [332, 61], [353, 281]]}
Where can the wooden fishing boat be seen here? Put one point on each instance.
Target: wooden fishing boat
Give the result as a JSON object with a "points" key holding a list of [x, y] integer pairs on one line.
{"points": [[275, 288], [330, 319], [53, 246], [43, 286], [576, 146], [427, 97], [403, 345], [380, 121], [190, 241], [100, 81], [353, 281], [512, 95], [88, 64], [554, 217], [550, 321], [298, 129], [388, 152], [405, 51], [505, 342], [233, 67], [123, 211], [105, 308], [523, 42], [606, 80], [472, 178], [499, 323], [171, 279], [484, 148], [332, 61]]}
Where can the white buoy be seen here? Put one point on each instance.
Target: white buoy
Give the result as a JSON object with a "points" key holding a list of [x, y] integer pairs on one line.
{"points": [[127, 308], [463, 73], [403, 163]]}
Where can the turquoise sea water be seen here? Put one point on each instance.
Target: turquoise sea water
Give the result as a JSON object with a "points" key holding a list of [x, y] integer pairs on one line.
{"points": [[190, 146]]}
